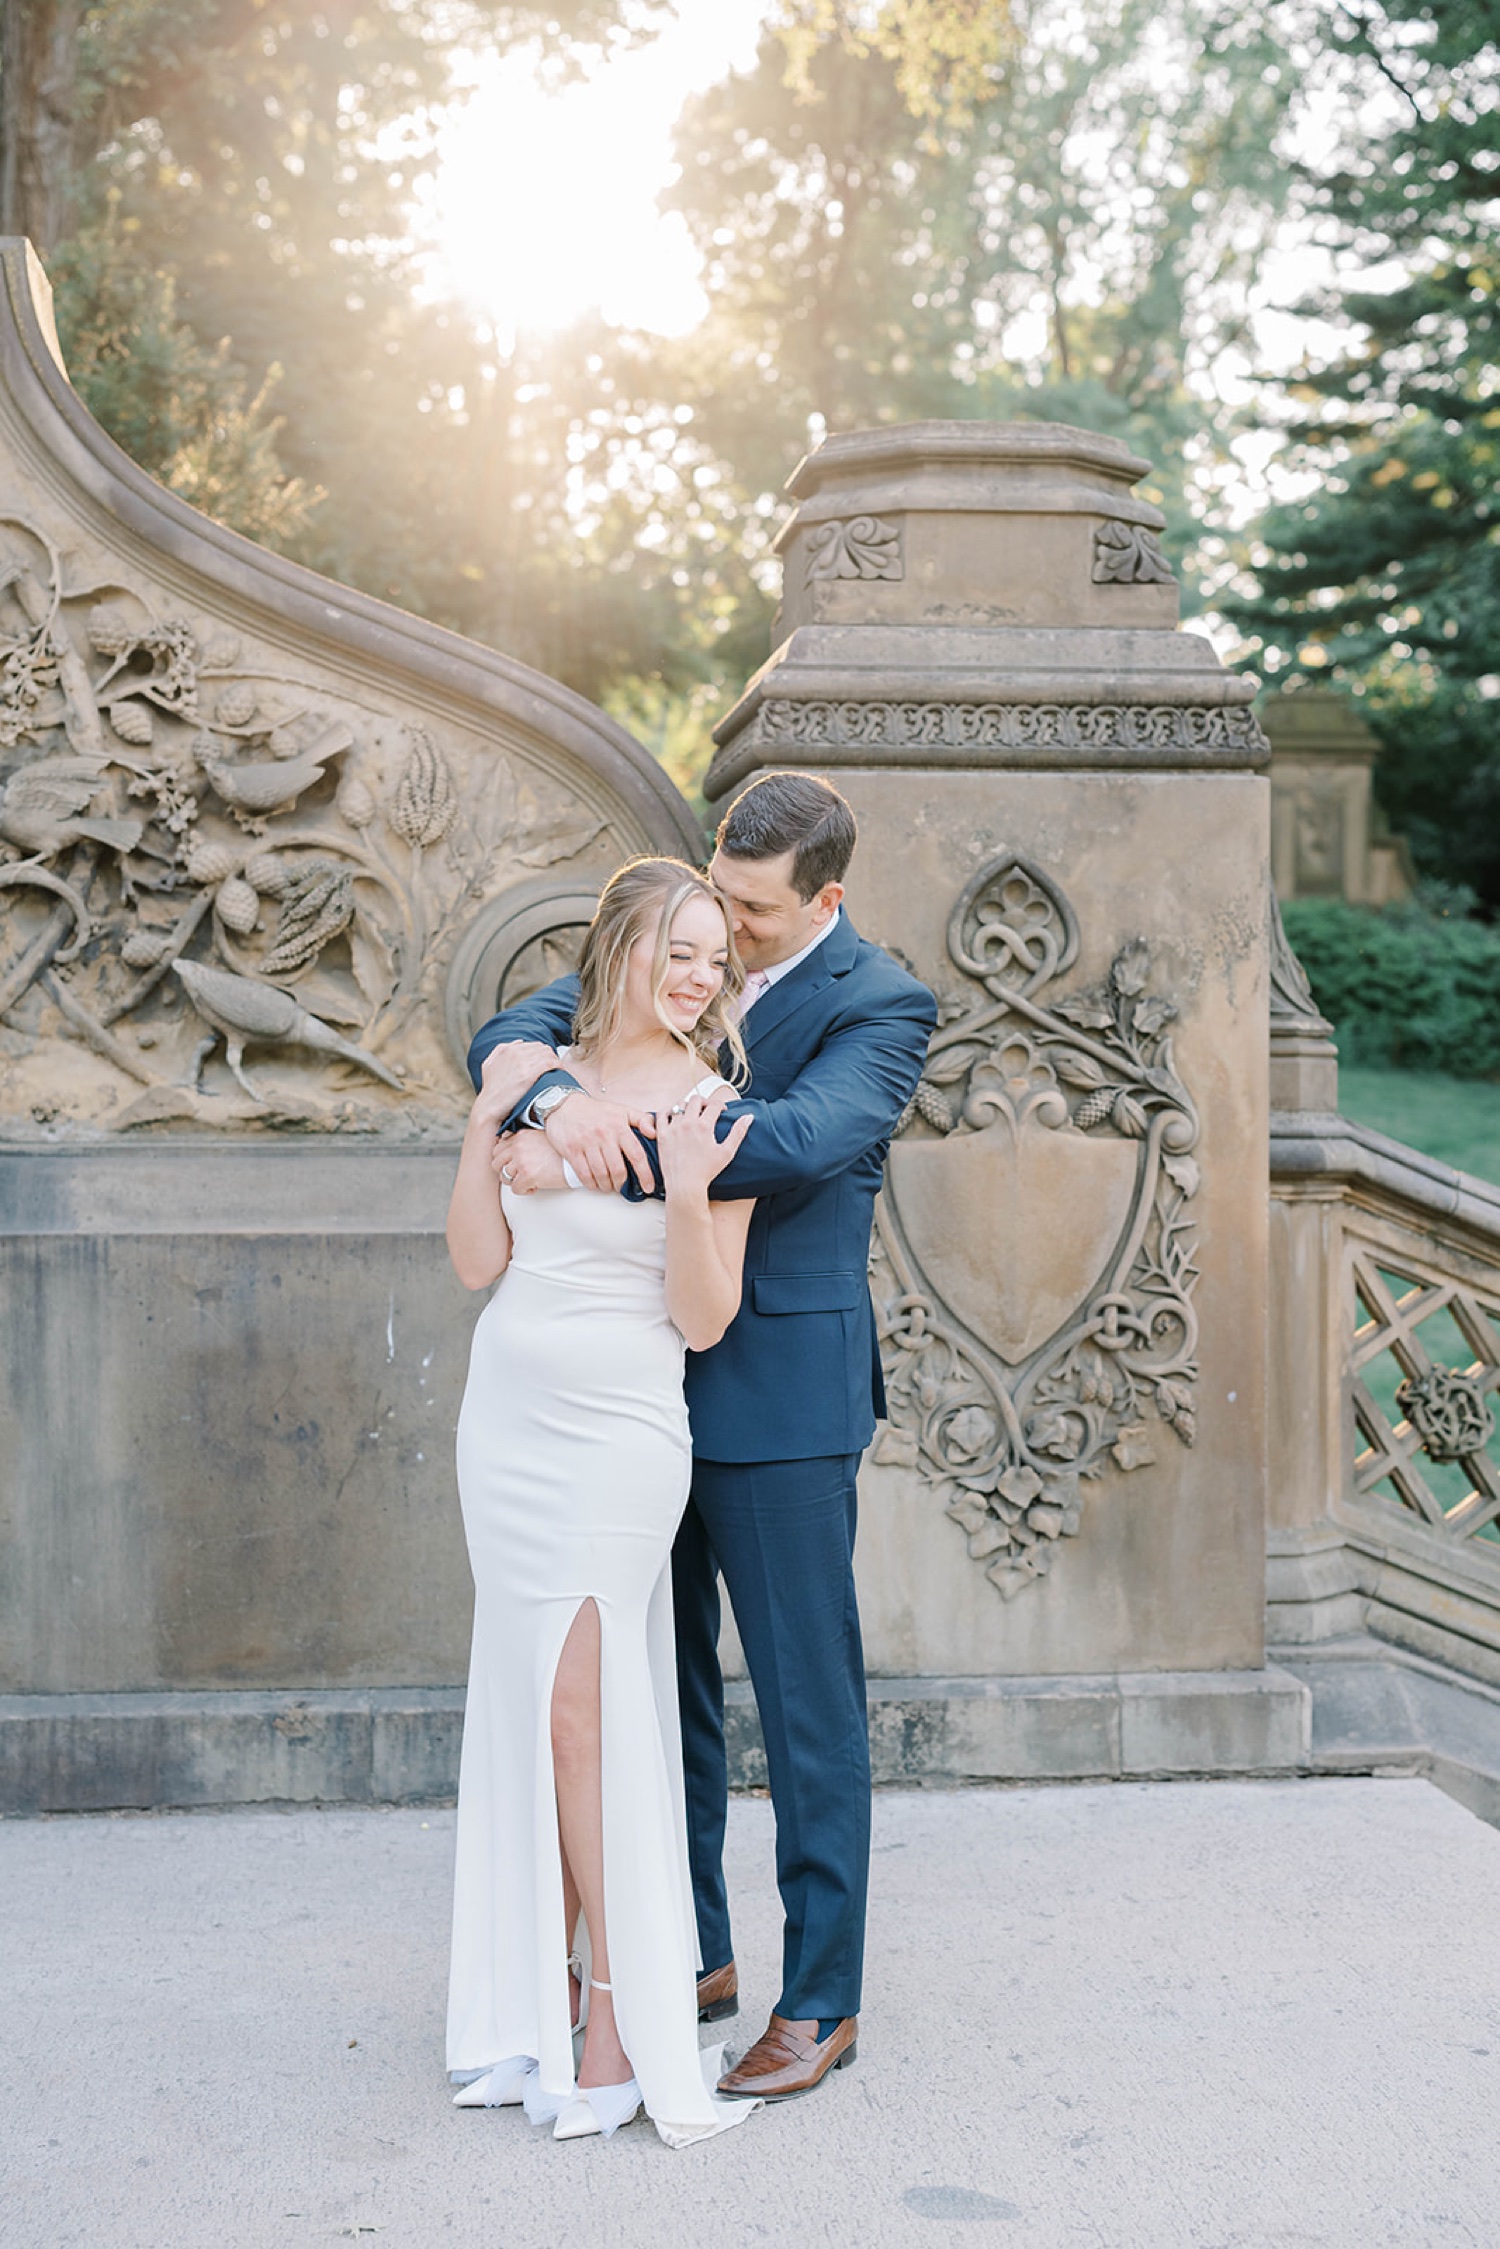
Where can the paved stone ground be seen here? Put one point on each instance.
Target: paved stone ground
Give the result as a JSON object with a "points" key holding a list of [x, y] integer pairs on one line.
{"points": [[1202, 2016]]}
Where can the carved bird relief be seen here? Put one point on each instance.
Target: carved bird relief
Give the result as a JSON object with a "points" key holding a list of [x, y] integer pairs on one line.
{"points": [[245, 1011], [257, 791], [44, 808]]}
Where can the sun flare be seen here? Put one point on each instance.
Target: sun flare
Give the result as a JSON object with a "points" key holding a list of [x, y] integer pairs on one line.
{"points": [[544, 206]]}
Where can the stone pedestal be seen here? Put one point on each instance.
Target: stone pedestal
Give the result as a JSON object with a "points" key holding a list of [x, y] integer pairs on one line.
{"points": [[1064, 830], [1328, 836]]}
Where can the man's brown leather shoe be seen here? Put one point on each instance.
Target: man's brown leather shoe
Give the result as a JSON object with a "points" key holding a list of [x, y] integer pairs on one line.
{"points": [[787, 2059], [718, 1995]]}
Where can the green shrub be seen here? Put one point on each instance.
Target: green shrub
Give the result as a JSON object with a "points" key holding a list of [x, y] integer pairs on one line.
{"points": [[1403, 987]]}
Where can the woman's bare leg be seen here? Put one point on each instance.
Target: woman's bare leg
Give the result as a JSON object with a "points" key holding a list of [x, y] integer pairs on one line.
{"points": [[572, 1907], [575, 1765]]}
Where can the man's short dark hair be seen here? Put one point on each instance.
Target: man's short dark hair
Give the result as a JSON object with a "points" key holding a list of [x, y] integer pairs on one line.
{"points": [[793, 812]]}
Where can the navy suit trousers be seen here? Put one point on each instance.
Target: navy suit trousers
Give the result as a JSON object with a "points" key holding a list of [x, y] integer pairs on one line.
{"points": [[782, 1533]]}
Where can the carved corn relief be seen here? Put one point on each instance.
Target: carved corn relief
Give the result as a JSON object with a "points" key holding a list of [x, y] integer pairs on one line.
{"points": [[1033, 1261], [198, 848]]}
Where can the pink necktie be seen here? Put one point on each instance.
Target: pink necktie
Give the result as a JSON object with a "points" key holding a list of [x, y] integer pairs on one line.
{"points": [[755, 983]]}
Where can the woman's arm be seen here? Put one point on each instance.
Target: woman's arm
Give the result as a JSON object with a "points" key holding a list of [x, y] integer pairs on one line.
{"points": [[705, 1241], [478, 1237]]}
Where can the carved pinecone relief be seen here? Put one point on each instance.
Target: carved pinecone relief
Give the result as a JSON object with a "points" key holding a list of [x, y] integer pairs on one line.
{"points": [[1033, 1256], [183, 832]]}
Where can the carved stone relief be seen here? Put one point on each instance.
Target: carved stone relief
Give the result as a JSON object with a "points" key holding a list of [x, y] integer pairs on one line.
{"points": [[1292, 1002], [519, 942], [864, 547], [199, 845], [1427, 1439], [1127, 554], [1174, 730], [1033, 1258], [1449, 1412]]}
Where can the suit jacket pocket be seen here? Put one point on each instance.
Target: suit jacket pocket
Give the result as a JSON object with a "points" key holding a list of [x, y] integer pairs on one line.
{"points": [[806, 1292]]}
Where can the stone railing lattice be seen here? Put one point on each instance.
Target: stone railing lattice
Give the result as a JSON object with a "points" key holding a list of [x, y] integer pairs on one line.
{"points": [[1425, 1442]]}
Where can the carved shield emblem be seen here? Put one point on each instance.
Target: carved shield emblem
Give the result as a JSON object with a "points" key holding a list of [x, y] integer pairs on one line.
{"points": [[1020, 1222], [1033, 1253]]}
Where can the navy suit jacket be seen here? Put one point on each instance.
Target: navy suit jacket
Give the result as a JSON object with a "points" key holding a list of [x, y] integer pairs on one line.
{"points": [[836, 1048]]}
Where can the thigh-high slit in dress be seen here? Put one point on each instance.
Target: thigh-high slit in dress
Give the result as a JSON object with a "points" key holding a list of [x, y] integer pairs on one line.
{"points": [[573, 1467]]}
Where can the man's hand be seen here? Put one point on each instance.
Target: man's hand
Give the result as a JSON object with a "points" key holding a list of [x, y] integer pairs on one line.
{"points": [[526, 1164], [598, 1138], [511, 1070]]}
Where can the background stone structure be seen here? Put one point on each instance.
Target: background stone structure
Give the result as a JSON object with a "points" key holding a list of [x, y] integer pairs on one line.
{"points": [[267, 852], [1329, 838]]}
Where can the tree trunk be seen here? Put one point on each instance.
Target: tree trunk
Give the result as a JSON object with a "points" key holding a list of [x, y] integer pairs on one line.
{"points": [[38, 112]]}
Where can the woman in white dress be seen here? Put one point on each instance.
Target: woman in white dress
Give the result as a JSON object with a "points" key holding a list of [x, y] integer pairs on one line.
{"points": [[574, 1461]]}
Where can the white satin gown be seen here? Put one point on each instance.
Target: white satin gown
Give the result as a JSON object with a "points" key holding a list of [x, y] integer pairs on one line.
{"points": [[573, 1467]]}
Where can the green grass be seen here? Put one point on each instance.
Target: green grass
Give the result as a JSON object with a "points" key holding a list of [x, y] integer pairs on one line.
{"points": [[1455, 1119]]}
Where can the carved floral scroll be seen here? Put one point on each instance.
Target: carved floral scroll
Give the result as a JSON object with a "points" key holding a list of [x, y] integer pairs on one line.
{"points": [[1033, 1261], [1127, 554], [863, 547]]}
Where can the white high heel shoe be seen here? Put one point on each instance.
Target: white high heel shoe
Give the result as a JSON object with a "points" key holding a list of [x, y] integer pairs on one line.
{"points": [[504, 2086], [596, 2108]]}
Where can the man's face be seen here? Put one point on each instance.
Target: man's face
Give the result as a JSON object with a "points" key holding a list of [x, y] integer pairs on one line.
{"points": [[771, 922]]}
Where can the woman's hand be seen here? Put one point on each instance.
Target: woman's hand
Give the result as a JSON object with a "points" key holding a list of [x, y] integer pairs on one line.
{"points": [[705, 1241], [691, 1154], [527, 1163]]}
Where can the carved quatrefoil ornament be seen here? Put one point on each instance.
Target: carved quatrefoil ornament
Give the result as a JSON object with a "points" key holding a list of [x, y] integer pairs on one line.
{"points": [[1032, 1261]]}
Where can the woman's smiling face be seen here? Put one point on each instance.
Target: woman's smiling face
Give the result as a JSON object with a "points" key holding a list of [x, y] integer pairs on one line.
{"points": [[697, 956]]}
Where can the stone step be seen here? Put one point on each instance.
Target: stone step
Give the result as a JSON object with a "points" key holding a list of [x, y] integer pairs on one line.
{"points": [[1352, 1707]]}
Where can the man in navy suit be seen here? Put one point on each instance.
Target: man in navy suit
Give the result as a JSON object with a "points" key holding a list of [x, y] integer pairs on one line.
{"points": [[783, 1407]]}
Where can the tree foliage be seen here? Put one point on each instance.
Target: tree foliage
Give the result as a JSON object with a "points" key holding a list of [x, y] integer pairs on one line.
{"points": [[221, 190], [1386, 576], [1066, 244], [905, 209]]}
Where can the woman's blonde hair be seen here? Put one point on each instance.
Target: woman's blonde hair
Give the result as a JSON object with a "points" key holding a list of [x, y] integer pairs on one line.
{"points": [[640, 892]]}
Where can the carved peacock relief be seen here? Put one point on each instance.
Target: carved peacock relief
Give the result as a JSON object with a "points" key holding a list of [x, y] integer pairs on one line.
{"points": [[199, 845], [1033, 1257]]}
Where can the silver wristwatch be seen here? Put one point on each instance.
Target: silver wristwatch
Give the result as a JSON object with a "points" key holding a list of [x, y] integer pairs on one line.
{"points": [[553, 1098]]}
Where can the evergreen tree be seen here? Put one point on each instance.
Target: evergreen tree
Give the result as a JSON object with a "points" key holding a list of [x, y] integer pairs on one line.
{"points": [[1386, 577]]}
